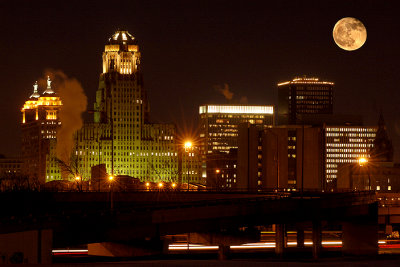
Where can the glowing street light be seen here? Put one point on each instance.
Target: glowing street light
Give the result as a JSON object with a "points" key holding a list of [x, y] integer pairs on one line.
{"points": [[160, 185], [188, 145], [362, 161], [111, 179], [147, 184], [79, 182], [173, 185], [217, 171]]}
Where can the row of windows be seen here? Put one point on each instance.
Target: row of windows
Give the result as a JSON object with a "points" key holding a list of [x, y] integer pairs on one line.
{"points": [[351, 134], [349, 145], [346, 155], [223, 134], [345, 150], [350, 129], [351, 160]]}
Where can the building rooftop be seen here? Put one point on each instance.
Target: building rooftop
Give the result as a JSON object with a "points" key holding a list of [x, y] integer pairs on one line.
{"points": [[48, 90], [236, 109], [305, 80], [35, 91], [122, 38]]}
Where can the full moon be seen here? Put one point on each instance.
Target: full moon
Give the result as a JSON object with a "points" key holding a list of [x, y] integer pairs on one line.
{"points": [[349, 33]]}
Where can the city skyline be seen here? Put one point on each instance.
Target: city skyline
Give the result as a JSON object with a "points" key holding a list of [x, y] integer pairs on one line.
{"points": [[192, 50]]}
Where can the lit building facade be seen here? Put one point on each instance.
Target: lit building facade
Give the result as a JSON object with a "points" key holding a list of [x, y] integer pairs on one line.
{"points": [[303, 97], [344, 145], [40, 122], [378, 176], [121, 136], [222, 170], [376, 172], [219, 127], [10, 167], [190, 164]]}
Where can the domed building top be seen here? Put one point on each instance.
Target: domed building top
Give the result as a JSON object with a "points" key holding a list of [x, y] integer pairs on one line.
{"points": [[35, 91], [122, 38], [48, 90]]}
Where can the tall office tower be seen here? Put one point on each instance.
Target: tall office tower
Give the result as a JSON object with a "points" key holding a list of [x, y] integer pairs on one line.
{"points": [[219, 127], [302, 97], [40, 122], [121, 136], [344, 145]]}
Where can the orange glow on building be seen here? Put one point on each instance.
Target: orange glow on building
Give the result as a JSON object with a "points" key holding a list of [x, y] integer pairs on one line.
{"points": [[40, 122]]}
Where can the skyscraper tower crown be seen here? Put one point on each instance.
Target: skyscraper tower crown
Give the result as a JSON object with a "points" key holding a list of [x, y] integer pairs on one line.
{"points": [[121, 54], [48, 89], [35, 91], [304, 97], [121, 37]]}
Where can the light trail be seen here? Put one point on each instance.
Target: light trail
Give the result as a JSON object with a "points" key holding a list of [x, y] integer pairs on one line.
{"points": [[56, 252], [327, 244]]}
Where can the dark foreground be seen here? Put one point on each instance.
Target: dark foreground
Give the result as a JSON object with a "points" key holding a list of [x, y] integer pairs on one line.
{"points": [[257, 259]]}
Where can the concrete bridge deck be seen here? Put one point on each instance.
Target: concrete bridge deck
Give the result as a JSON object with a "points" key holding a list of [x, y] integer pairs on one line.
{"points": [[89, 217]]}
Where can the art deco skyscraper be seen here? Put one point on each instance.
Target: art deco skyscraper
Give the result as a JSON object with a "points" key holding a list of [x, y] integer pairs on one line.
{"points": [[40, 122], [121, 136]]}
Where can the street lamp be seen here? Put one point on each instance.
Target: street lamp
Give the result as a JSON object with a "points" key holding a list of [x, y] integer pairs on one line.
{"points": [[188, 147], [217, 179], [364, 162], [78, 179], [111, 179]]}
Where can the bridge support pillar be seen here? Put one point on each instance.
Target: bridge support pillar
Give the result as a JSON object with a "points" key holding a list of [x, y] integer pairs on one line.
{"points": [[316, 239], [223, 252], [360, 238], [280, 243], [30, 247], [300, 236]]}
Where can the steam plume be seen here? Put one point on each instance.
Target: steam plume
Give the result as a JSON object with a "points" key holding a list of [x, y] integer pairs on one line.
{"points": [[74, 103], [225, 91]]}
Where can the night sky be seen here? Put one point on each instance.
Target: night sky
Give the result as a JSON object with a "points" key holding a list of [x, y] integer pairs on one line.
{"points": [[190, 48]]}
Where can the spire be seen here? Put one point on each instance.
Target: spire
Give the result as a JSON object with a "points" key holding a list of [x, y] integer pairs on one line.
{"points": [[48, 89], [35, 91], [382, 150]]}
